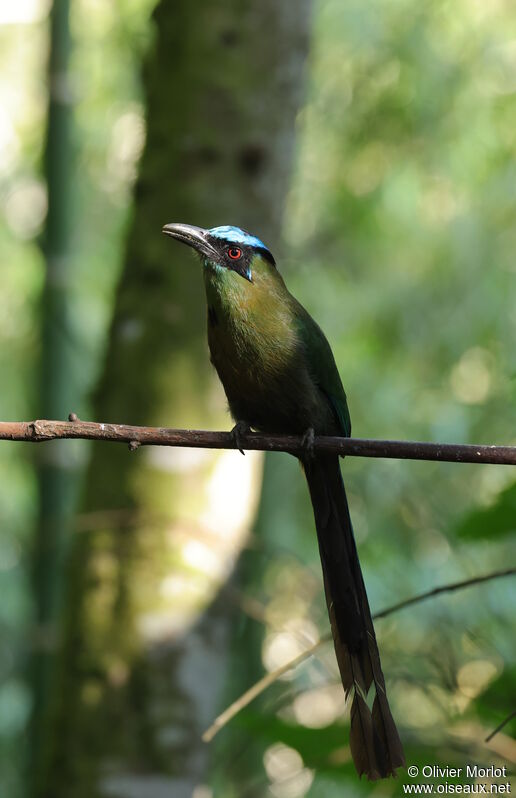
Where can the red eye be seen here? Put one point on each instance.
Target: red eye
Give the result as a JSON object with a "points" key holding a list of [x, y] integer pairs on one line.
{"points": [[234, 253]]}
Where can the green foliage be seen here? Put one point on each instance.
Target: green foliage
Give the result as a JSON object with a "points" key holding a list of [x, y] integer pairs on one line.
{"points": [[105, 90], [494, 706], [320, 749], [493, 522], [400, 240]]}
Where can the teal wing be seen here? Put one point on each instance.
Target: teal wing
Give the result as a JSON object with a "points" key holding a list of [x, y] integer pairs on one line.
{"points": [[323, 367]]}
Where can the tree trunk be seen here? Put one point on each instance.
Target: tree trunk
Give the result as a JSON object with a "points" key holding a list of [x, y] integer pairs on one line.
{"points": [[136, 686], [56, 467]]}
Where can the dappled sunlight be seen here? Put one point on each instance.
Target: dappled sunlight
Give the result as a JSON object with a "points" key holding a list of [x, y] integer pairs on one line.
{"points": [[202, 548], [125, 148], [320, 706], [491, 483], [9, 143], [203, 558], [474, 676], [178, 460], [471, 378], [280, 647], [440, 201], [26, 207], [283, 607], [202, 791], [182, 584], [232, 493], [23, 12], [284, 767], [418, 708]]}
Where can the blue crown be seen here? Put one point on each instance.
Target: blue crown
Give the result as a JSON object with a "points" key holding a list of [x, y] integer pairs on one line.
{"points": [[236, 236]]}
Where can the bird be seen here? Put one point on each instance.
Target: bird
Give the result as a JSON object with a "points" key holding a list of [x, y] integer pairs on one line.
{"points": [[280, 376]]}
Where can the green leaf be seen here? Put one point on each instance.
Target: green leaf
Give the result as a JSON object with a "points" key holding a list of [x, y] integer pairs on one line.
{"points": [[492, 522], [498, 701], [325, 749]]}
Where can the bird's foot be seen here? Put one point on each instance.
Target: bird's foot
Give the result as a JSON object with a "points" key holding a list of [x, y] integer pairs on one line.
{"points": [[240, 428], [307, 443]]}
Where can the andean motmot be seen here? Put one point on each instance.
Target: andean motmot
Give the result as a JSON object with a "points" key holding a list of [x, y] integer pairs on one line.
{"points": [[280, 376]]}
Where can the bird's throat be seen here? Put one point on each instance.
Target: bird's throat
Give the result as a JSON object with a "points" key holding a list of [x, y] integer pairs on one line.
{"points": [[227, 292]]}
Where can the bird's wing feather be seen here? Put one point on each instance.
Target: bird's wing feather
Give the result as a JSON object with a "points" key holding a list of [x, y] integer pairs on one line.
{"points": [[322, 366]]}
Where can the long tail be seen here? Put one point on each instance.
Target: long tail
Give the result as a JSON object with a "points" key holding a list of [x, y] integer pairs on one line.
{"points": [[374, 741]]}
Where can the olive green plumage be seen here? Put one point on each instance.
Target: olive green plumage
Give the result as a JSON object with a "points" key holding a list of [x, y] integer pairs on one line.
{"points": [[272, 358], [279, 375]]}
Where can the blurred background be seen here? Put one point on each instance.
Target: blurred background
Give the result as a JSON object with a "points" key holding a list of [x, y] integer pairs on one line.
{"points": [[372, 147]]}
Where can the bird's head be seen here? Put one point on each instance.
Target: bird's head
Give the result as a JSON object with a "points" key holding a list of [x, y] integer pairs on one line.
{"points": [[223, 248]]}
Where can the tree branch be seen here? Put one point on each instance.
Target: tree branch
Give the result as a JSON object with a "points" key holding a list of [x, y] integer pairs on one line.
{"points": [[44, 430], [266, 681], [449, 588], [500, 726]]}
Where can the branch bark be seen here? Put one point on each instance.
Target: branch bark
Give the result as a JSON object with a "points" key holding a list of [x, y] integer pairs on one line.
{"points": [[45, 430], [500, 726]]}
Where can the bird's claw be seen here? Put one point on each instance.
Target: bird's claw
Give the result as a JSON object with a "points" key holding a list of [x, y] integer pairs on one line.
{"points": [[307, 442], [240, 428]]}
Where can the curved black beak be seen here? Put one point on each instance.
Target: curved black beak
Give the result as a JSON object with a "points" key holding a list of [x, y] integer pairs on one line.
{"points": [[195, 237]]}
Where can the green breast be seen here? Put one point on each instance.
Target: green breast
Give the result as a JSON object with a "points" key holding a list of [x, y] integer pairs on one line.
{"points": [[251, 333], [258, 348], [254, 346]]}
